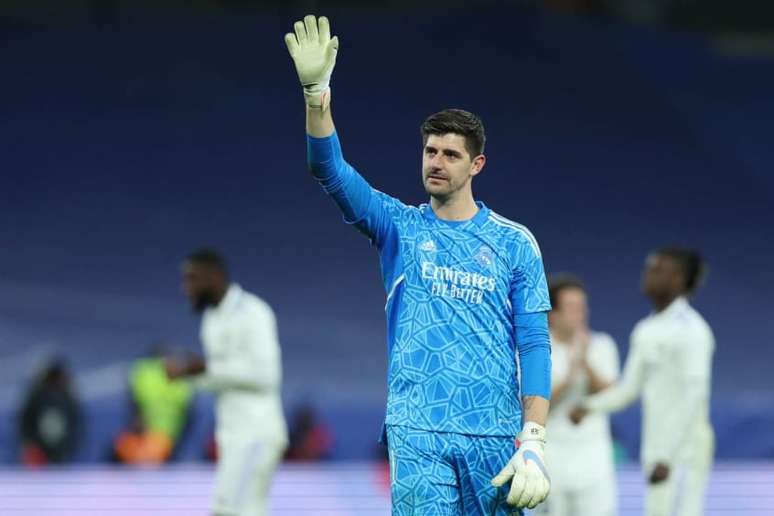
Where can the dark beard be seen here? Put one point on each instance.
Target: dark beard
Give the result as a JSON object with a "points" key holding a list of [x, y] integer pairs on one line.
{"points": [[205, 300]]}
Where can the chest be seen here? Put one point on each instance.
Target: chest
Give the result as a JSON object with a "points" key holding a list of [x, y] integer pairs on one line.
{"points": [[460, 259], [220, 335]]}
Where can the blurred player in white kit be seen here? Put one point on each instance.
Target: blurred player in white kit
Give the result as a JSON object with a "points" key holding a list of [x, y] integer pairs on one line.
{"points": [[242, 366], [669, 365], [579, 457]]}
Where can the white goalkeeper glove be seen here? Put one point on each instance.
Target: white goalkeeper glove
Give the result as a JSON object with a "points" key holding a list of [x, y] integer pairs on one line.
{"points": [[314, 54], [526, 470]]}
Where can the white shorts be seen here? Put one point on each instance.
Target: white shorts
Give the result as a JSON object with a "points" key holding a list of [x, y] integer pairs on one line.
{"points": [[598, 498], [243, 477]]}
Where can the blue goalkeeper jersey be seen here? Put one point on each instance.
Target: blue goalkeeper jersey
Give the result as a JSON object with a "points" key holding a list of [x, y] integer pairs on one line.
{"points": [[455, 293]]}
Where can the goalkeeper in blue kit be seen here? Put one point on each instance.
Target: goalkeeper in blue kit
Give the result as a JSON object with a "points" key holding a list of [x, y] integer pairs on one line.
{"points": [[469, 357]]}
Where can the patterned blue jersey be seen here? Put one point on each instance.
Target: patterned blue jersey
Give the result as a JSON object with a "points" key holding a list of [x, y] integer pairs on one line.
{"points": [[454, 290]]}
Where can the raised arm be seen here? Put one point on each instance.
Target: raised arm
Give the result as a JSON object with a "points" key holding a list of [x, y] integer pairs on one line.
{"points": [[314, 54]]}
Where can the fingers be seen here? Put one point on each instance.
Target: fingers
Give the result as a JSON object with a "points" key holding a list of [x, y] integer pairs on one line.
{"points": [[516, 492], [310, 23], [503, 476], [325, 29], [292, 43], [332, 49], [300, 31], [539, 493]]}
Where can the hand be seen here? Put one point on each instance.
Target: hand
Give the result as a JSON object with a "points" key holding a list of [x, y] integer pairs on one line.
{"points": [[177, 367], [580, 348], [577, 414], [526, 470], [174, 367], [659, 474], [314, 54]]}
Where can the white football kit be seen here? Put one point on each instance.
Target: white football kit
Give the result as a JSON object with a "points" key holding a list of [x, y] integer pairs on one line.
{"points": [[242, 354], [669, 364], [580, 457]]}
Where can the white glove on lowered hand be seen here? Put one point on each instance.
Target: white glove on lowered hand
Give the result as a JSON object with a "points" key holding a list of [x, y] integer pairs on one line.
{"points": [[526, 470], [314, 54]]}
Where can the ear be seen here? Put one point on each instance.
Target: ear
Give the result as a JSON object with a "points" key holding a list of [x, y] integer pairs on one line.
{"points": [[477, 164]]}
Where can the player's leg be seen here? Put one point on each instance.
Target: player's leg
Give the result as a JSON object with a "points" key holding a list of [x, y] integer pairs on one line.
{"points": [[661, 498], [235, 478], [697, 472], [599, 498], [422, 481], [256, 500], [557, 504], [478, 459]]}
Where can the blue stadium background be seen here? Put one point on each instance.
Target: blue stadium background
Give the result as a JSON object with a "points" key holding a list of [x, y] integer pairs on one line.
{"points": [[124, 147]]}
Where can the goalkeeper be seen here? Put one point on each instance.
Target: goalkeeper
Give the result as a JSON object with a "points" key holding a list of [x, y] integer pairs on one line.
{"points": [[466, 298]]}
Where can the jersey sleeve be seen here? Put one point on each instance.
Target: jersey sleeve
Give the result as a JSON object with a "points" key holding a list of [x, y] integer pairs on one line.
{"points": [[534, 350], [368, 209], [252, 360], [628, 388], [695, 358], [529, 289]]}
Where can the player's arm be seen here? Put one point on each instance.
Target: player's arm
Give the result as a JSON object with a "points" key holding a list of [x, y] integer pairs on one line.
{"points": [[695, 357], [602, 367], [622, 393], [251, 362], [526, 471], [314, 54]]}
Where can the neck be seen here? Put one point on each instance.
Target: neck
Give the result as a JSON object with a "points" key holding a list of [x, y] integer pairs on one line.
{"points": [[461, 207], [660, 303], [220, 293]]}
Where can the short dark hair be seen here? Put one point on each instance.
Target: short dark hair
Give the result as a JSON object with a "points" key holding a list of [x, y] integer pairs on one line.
{"points": [[559, 282], [456, 121], [209, 257], [690, 262]]}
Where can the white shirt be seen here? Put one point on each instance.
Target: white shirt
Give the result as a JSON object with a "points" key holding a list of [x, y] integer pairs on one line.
{"points": [[586, 447], [243, 367], [669, 363]]}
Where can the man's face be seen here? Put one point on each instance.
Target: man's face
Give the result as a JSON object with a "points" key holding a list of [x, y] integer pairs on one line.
{"points": [[661, 277], [199, 285], [572, 312], [447, 167]]}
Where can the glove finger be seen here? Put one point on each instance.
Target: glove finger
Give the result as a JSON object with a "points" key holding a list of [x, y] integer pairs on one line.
{"points": [[540, 494], [300, 30], [502, 477], [292, 43], [527, 493], [537, 496], [517, 490], [331, 50], [310, 23], [324, 29]]}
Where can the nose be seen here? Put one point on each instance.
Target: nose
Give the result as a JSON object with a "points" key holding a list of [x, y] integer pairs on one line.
{"points": [[436, 162]]}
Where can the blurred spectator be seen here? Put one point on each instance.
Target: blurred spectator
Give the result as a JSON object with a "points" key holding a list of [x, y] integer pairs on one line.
{"points": [[50, 419], [160, 409], [310, 439]]}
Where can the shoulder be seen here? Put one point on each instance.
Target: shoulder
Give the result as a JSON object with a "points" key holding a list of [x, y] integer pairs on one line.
{"points": [[393, 204], [602, 340], [514, 233], [252, 306], [692, 324]]}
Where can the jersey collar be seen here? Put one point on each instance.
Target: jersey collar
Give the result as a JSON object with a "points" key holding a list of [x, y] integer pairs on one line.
{"points": [[478, 219]]}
